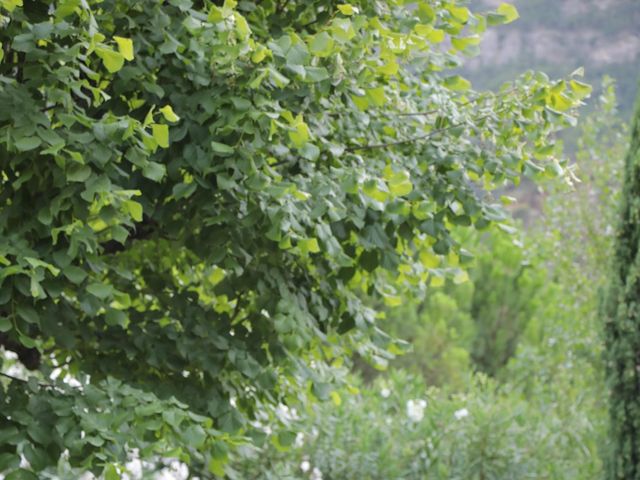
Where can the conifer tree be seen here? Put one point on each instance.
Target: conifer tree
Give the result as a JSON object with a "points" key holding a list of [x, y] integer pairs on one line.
{"points": [[622, 325]]}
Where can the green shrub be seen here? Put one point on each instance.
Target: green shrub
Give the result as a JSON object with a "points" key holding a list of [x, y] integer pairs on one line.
{"points": [[475, 325], [487, 431], [544, 414]]}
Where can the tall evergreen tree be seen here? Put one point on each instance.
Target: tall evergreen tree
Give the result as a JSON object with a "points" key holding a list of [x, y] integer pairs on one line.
{"points": [[622, 324]]}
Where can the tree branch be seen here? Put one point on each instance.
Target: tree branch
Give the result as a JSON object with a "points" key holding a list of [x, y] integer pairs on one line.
{"points": [[432, 133]]}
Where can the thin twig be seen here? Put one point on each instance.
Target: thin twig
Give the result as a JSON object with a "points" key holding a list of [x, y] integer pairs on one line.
{"points": [[438, 110], [464, 104], [407, 140], [425, 136], [11, 377], [40, 384]]}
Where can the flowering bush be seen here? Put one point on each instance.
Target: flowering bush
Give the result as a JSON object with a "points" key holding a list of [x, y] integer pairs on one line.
{"points": [[399, 428]]}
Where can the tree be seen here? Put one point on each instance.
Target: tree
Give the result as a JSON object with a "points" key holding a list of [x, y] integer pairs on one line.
{"points": [[196, 197], [622, 325]]}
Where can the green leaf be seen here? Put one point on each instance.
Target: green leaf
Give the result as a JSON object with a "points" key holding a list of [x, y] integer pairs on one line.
{"points": [[321, 390], [160, 133], [494, 19], [462, 43], [347, 9], [425, 12], [155, 171], [100, 290], [216, 466], [10, 5], [111, 473], [242, 27], [342, 29], [259, 54], [433, 35], [509, 11], [9, 460], [461, 276], [316, 74], [377, 96], [66, 8], [457, 83], [277, 78], [299, 134], [125, 46], [310, 151], [21, 474], [309, 245], [286, 438], [5, 324], [183, 190], [36, 289], [582, 90], [112, 60], [25, 144], [78, 173], [375, 190], [195, 436], [221, 148], [321, 45], [28, 314], [134, 209], [400, 184], [390, 68], [461, 14], [116, 318], [169, 114], [578, 72], [74, 274]]}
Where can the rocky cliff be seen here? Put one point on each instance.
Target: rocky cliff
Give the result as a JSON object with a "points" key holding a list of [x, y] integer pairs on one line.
{"points": [[558, 36]]}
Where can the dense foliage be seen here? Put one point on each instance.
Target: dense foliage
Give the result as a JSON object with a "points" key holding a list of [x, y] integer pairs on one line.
{"points": [[621, 317], [196, 198], [543, 414], [475, 325], [398, 428]]}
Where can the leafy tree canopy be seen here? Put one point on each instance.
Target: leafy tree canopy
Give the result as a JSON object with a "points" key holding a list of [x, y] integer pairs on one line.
{"points": [[196, 196]]}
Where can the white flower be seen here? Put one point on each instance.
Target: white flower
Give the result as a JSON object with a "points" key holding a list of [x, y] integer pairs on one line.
{"points": [[415, 409], [385, 392], [174, 471], [285, 413], [305, 466], [460, 414], [72, 382], [316, 474], [180, 470], [299, 440], [134, 469]]}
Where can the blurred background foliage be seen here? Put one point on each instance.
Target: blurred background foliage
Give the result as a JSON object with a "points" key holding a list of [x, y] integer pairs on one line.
{"points": [[504, 379]]}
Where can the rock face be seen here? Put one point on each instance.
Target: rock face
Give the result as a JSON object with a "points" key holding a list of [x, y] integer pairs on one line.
{"points": [[558, 36]]}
